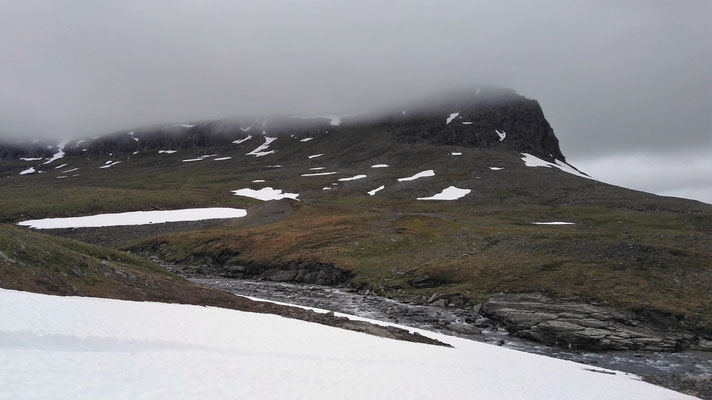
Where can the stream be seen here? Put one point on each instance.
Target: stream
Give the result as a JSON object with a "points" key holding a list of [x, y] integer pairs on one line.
{"points": [[695, 366]]}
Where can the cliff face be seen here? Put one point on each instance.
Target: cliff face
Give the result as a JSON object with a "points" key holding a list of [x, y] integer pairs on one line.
{"points": [[487, 118], [479, 118]]}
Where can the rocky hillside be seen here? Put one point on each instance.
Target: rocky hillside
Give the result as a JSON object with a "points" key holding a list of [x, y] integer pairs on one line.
{"points": [[483, 118]]}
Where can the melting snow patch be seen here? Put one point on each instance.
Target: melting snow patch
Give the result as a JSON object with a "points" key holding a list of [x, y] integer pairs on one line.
{"points": [[379, 166], [258, 181], [452, 116], [79, 347], [259, 151], [423, 174], [200, 158], [56, 156], [265, 194], [326, 188], [320, 173], [467, 122], [222, 158], [30, 170], [166, 151], [553, 223], [110, 164], [246, 129], [187, 126], [61, 176], [69, 170], [533, 161], [132, 136], [61, 166], [449, 193], [274, 166], [316, 155], [501, 135], [376, 190], [306, 139], [454, 153], [353, 178], [317, 168], [135, 218], [238, 141], [31, 159], [496, 168]]}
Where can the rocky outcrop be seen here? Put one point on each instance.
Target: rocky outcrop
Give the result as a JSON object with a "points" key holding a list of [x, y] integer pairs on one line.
{"points": [[581, 325], [318, 273], [485, 117]]}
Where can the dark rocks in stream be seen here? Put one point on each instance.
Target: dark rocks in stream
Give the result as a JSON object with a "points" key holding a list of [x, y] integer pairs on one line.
{"points": [[585, 326]]}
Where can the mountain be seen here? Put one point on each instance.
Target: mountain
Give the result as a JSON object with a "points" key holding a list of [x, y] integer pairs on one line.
{"points": [[463, 200]]}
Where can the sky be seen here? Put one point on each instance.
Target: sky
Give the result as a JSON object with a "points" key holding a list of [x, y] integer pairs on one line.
{"points": [[627, 86]]}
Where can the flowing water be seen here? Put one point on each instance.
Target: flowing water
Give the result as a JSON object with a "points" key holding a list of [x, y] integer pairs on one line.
{"points": [[691, 365]]}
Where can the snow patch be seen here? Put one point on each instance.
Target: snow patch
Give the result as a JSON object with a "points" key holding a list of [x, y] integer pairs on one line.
{"points": [[64, 347], [376, 190], [222, 158], [265, 194], [317, 168], [321, 173], [379, 166], [245, 129], [166, 151], [419, 175], [110, 164], [449, 193], [501, 135], [259, 151], [187, 126], [69, 170], [553, 223], [258, 181], [30, 170], [238, 141], [467, 122], [306, 139], [61, 166], [455, 153], [56, 156], [533, 161], [135, 218], [30, 159], [315, 155], [451, 117], [200, 158], [352, 178], [496, 168]]}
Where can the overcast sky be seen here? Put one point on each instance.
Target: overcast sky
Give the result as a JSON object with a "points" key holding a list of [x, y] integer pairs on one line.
{"points": [[627, 86]]}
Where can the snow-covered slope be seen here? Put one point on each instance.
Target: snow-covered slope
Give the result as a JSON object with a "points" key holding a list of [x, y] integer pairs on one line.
{"points": [[88, 348]]}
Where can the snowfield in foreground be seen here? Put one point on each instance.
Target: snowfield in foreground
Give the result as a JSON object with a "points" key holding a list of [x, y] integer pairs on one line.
{"points": [[88, 348], [135, 218]]}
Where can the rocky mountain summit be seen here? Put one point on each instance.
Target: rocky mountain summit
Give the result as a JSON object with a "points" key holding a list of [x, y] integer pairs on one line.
{"points": [[480, 118]]}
